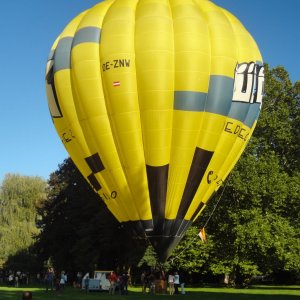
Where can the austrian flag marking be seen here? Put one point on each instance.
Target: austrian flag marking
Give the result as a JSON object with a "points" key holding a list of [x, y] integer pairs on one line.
{"points": [[116, 83]]}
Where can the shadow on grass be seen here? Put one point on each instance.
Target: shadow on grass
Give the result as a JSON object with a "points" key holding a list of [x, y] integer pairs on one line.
{"points": [[286, 293], [7, 295], [238, 296], [275, 287]]}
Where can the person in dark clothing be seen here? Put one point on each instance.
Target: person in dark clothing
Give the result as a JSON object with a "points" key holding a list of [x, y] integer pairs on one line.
{"points": [[176, 282], [49, 278], [86, 282], [144, 281], [125, 278], [151, 283]]}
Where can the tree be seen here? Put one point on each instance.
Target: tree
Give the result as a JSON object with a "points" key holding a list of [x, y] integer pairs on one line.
{"points": [[20, 197], [77, 230], [278, 126], [255, 229]]}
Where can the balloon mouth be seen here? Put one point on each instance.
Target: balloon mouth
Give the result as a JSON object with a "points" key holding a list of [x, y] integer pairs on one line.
{"points": [[164, 246], [163, 235]]}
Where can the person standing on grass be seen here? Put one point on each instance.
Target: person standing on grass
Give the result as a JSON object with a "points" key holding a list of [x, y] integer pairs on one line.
{"points": [[86, 280], [79, 279], [11, 279], [113, 282], [17, 281], [49, 278], [125, 282], [176, 282], [151, 279], [143, 281], [63, 280], [171, 283]]}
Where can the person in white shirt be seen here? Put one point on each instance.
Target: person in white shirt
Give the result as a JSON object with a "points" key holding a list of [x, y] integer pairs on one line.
{"points": [[171, 283]]}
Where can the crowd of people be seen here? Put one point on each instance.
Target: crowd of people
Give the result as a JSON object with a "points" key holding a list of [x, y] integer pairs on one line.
{"points": [[55, 281], [151, 282], [159, 283], [52, 280], [174, 283], [14, 278], [118, 283]]}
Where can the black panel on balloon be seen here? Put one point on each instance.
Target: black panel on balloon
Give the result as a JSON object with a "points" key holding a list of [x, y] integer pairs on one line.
{"points": [[94, 182], [95, 163], [157, 183], [199, 165]]}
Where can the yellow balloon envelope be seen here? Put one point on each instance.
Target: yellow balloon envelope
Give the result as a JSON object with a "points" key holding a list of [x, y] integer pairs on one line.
{"points": [[155, 101]]}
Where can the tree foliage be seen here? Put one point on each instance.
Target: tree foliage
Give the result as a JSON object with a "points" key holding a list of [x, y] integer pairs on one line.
{"points": [[20, 196], [78, 231], [191, 254]]}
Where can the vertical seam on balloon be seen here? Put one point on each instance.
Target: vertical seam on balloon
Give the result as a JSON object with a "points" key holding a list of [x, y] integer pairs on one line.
{"points": [[210, 36], [67, 66], [202, 13], [106, 94], [209, 41], [92, 177], [135, 201], [171, 141], [137, 77], [208, 109], [169, 203], [116, 142], [137, 71], [113, 130], [118, 205], [147, 224], [158, 194]]}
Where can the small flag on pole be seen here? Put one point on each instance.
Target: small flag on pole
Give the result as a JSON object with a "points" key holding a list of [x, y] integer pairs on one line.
{"points": [[202, 235], [116, 83]]}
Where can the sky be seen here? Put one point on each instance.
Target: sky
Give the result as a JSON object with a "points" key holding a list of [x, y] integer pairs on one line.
{"points": [[29, 143]]}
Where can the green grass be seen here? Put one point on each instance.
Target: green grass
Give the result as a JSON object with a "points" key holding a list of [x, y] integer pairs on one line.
{"points": [[251, 293]]}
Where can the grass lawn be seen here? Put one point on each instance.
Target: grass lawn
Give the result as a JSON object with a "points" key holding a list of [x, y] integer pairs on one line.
{"points": [[251, 293]]}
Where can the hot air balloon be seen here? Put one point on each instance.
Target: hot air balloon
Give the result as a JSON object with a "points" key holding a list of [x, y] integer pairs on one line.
{"points": [[155, 101]]}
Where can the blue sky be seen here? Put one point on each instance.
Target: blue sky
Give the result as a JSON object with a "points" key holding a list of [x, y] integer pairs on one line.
{"points": [[29, 144]]}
